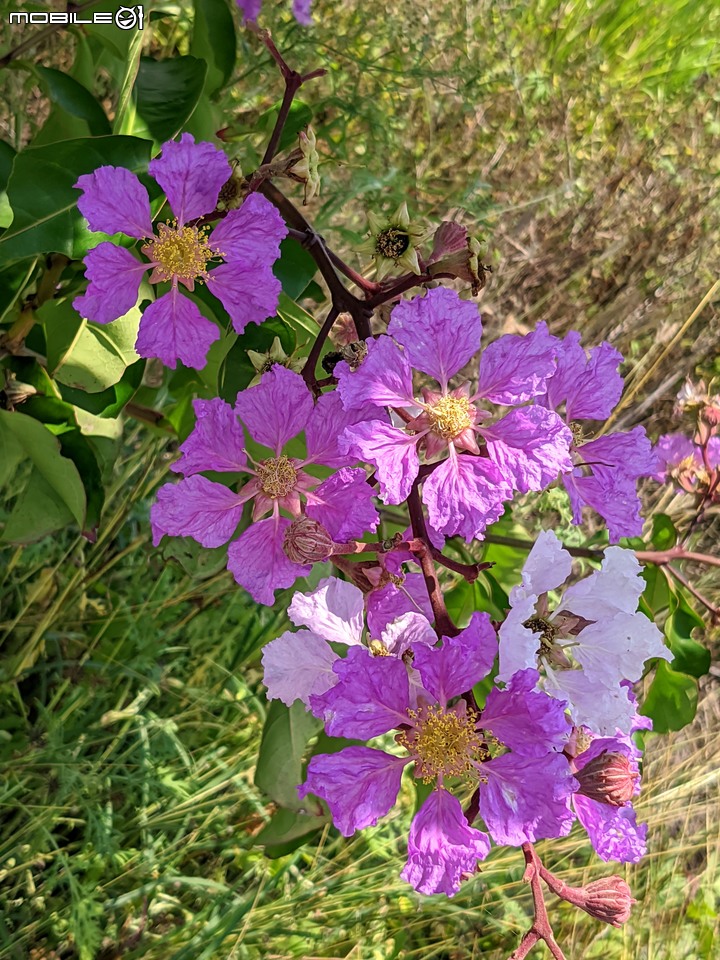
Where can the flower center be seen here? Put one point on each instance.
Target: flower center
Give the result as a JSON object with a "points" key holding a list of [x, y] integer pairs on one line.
{"points": [[277, 476], [548, 632], [443, 744], [180, 252], [392, 242], [450, 416]]}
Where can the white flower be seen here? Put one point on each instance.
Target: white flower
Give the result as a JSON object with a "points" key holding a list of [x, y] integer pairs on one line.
{"points": [[591, 642]]}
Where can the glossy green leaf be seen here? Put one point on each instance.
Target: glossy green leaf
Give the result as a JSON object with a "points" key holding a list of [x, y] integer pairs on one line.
{"points": [[88, 356], [67, 93], [286, 826], [664, 534], [671, 701], [166, 93], [295, 268], [55, 494], [280, 761], [107, 403], [690, 656], [7, 155], [43, 198], [213, 40]]}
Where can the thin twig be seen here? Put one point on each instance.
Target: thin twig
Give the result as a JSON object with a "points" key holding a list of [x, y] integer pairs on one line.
{"points": [[444, 627]]}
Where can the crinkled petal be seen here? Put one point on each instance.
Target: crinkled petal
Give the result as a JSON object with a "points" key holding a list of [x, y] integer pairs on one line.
{"points": [[343, 504], [114, 276], [670, 450], [605, 710], [616, 648], [172, 328], [518, 644], [527, 798], [525, 719], [248, 291], [384, 378], [548, 564], [614, 831], [297, 665], [408, 629], [440, 332], [277, 409], [327, 423], [464, 495], [530, 446], [251, 234], [114, 201], [334, 610], [191, 175], [611, 495], [198, 508], [217, 441], [249, 9], [514, 369], [629, 453], [258, 562], [588, 385], [615, 588], [359, 784], [390, 450], [442, 846], [371, 696], [391, 601], [460, 662]]}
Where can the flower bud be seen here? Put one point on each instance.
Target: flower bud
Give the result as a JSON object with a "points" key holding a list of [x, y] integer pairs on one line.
{"points": [[608, 778], [307, 541], [455, 253], [305, 169], [608, 899]]}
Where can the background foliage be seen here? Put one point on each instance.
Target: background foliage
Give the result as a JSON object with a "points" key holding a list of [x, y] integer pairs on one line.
{"points": [[581, 139]]}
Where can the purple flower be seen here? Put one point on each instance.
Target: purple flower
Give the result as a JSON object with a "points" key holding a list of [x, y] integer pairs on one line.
{"points": [[679, 459], [525, 450], [241, 249], [605, 470], [300, 664], [274, 412], [524, 795], [612, 826], [250, 10], [594, 639]]}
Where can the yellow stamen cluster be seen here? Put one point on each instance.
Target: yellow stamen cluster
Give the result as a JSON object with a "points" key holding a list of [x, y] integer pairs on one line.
{"points": [[277, 476], [443, 744], [182, 252], [578, 433], [378, 648], [450, 416]]}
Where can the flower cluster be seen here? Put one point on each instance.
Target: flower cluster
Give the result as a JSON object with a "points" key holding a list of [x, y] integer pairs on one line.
{"points": [[522, 726]]}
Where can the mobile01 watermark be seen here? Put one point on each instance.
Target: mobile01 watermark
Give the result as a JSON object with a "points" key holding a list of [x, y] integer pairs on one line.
{"points": [[125, 18]]}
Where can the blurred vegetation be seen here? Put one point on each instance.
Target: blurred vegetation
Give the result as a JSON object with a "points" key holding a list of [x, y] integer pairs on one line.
{"points": [[581, 138]]}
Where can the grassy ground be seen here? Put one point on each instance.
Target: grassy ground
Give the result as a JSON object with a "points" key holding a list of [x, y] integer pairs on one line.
{"points": [[581, 138]]}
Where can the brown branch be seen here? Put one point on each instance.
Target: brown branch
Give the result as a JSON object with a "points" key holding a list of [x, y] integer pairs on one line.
{"points": [[444, 627], [670, 571], [293, 82], [540, 929], [662, 557]]}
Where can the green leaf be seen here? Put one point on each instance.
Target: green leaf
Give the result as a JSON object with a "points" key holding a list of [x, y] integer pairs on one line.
{"points": [[299, 319], [88, 356], [295, 268], [76, 447], [213, 39], [65, 92], [656, 595], [166, 93], [690, 656], [237, 370], [44, 201], [285, 826], [671, 701], [664, 534], [54, 495], [285, 736], [7, 155], [107, 403]]}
